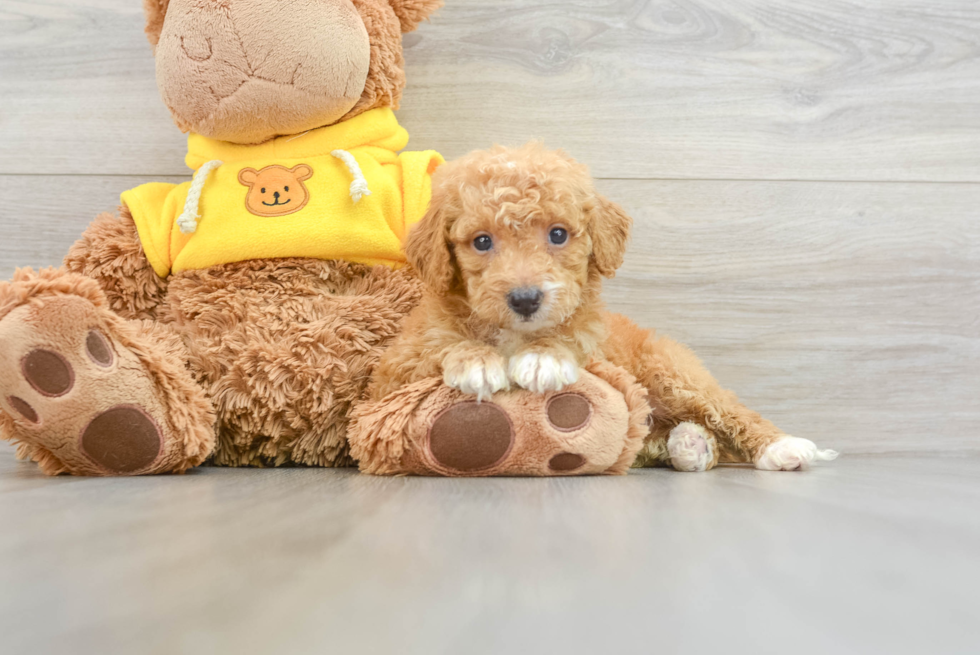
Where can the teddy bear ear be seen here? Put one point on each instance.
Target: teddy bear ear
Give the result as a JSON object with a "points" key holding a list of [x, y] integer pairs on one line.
{"points": [[302, 172], [156, 11], [412, 12], [248, 176]]}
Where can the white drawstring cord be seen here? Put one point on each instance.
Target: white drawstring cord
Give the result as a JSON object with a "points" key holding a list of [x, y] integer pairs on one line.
{"points": [[187, 222], [359, 187]]}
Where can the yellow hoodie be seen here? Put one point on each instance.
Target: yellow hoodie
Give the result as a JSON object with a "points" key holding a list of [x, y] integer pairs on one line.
{"points": [[337, 192]]}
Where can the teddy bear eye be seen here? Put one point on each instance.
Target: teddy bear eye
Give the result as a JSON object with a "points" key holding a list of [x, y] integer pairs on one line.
{"points": [[287, 189], [263, 189]]}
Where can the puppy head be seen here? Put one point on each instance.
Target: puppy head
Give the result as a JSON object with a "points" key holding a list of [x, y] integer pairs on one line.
{"points": [[520, 233]]}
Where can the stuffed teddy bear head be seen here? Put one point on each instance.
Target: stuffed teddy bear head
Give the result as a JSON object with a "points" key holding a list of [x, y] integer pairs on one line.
{"points": [[245, 71]]}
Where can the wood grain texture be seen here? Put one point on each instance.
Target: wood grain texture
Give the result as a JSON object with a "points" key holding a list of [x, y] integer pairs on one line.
{"points": [[734, 89], [848, 313], [862, 556]]}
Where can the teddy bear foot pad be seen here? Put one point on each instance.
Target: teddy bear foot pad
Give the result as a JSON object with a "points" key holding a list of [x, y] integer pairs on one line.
{"points": [[76, 397], [585, 429], [470, 437]]}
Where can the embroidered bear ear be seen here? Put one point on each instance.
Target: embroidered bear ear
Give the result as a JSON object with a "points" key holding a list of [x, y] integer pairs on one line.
{"points": [[302, 172], [248, 176], [156, 11]]}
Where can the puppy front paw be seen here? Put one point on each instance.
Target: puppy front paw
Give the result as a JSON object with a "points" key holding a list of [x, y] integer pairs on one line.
{"points": [[480, 374], [540, 371]]}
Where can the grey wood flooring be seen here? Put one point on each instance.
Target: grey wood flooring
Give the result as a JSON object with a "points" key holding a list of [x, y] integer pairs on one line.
{"points": [[872, 554], [805, 178]]}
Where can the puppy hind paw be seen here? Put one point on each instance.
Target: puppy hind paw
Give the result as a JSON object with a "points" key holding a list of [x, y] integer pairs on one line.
{"points": [[691, 448], [541, 372], [792, 454]]}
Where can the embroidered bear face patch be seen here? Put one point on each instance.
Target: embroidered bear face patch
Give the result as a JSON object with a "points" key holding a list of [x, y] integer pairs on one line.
{"points": [[276, 190]]}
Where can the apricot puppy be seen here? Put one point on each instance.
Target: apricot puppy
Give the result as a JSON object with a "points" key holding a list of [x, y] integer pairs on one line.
{"points": [[512, 252]]}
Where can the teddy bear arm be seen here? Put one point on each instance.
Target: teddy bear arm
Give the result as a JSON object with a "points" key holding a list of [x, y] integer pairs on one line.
{"points": [[110, 252]]}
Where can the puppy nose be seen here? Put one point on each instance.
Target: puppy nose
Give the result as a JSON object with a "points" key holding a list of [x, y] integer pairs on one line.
{"points": [[526, 300]]}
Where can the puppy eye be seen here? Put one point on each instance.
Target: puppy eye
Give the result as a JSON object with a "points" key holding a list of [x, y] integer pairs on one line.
{"points": [[287, 189], [558, 236], [483, 243]]}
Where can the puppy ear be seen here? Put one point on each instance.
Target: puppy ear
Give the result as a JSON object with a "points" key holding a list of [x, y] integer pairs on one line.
{"points": [[609, 229], [412, 12], [428, 250], [156, 11]]}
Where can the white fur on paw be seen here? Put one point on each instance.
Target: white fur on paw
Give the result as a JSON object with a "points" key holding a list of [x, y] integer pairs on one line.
{"points": [[792, 454], [690, 447], [539, 372], [481, 378]]}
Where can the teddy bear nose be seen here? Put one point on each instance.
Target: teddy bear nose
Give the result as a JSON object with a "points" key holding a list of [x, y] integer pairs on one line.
{"points": [[526, 300], [276, 195]]}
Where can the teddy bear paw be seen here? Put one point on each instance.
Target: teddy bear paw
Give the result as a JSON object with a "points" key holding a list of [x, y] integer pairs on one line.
{"points": [[427, 428], [557, 436], [79, 400]]}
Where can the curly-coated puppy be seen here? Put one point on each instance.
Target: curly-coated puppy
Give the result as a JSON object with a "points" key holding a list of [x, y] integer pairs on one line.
{"points": [[512, 253]]}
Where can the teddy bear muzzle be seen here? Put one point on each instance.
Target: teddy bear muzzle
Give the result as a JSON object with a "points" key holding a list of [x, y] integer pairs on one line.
{"points": [[229, 72]]}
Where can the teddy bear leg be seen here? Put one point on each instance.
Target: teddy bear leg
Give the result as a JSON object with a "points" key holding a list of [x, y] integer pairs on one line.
{"points": [[85, 392], [682, 390], [595, 426]]}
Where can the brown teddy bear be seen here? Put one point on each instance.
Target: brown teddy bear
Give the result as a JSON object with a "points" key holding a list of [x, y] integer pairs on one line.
{"points": [[238, 317]]}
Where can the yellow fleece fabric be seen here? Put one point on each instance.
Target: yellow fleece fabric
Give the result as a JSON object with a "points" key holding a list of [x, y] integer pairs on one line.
{"points": [[328, 226]]}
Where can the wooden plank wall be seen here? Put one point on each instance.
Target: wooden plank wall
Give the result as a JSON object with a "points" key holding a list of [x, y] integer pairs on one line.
{"points": [[805, 175]]}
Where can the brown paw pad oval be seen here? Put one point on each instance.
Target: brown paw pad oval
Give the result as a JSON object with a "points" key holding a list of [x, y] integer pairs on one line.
{"points": [[566, 462], [569, 411], [99, 349], [48, 372], [122, 439], [471, 436], [24, 408]]}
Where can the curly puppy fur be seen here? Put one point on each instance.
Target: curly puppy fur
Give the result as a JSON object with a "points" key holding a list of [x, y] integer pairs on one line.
{"points": [[465, 330], [472, 327]]}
